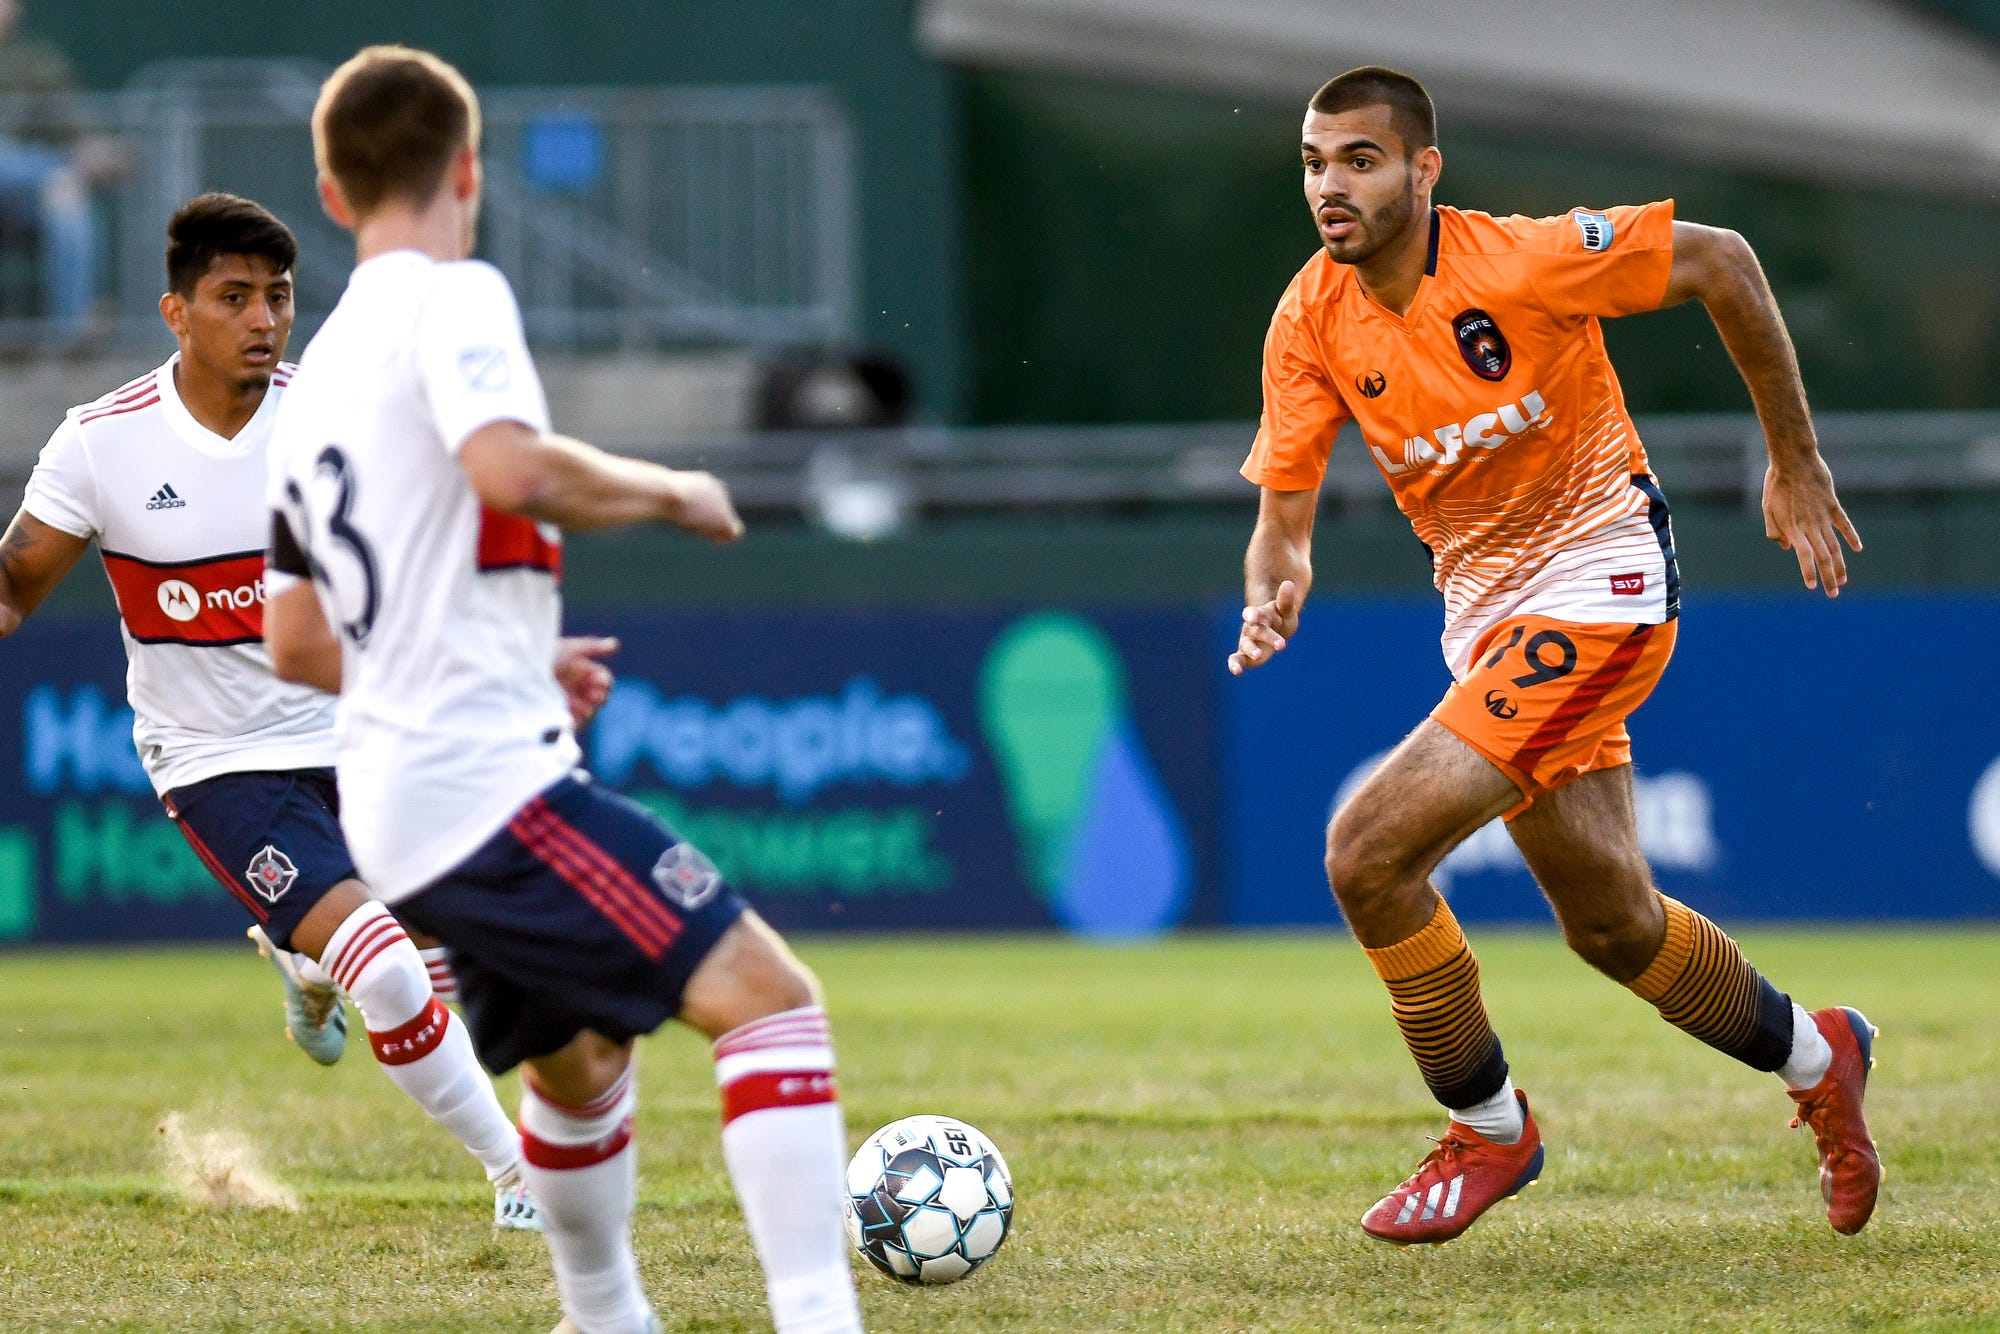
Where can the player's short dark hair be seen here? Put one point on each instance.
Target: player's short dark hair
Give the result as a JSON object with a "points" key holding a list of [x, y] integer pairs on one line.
{"points": [[389, 122], [210, 226], [1410, 108]]}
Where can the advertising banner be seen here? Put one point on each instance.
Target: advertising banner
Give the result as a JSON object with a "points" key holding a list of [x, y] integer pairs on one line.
{"points": [[894, 771], [1803, 758]]}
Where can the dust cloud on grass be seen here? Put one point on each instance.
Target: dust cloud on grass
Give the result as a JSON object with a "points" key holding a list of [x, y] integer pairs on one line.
{"points": [[218, 1169]]}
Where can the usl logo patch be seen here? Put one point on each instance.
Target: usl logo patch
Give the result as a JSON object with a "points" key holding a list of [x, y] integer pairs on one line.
{"points": [[1596, 230], [1482, 344], [687, 877], [271, 873], [485, 368], [1628, 585]]}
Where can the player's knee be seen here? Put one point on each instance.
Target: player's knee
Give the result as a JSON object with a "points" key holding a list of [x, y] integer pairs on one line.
{"points": [[751, 974], [1364, 867], [1618, 945]]}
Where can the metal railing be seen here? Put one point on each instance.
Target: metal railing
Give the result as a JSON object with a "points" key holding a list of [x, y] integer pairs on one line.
{"points": [[1712, 458], [627, 218]]}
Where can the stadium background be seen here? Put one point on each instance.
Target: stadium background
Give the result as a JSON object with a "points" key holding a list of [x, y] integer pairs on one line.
{"points": [[966, 672]]}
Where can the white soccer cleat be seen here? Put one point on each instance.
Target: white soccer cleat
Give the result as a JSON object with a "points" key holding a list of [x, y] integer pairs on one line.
{"points": [[513, 1208], [314, 1018]]}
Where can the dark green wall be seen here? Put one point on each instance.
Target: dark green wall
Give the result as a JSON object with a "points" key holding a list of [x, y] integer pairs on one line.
{"points": [[1129, 245], [903, 106], [1912, 544]]}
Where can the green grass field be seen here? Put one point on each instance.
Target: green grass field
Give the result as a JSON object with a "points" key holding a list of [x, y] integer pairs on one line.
{"points": [[1194, 1128]]}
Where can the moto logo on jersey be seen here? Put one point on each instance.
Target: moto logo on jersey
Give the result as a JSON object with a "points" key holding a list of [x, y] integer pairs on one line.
{"points": [[179, 599], [240, 597], [1371, 384], [165, 499], [1596, 230], [1482, 344], [1488, 430]]}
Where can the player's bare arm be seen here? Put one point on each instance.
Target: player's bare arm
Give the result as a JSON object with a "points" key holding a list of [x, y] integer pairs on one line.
{"points": [[302, 645], [1277, 573], [1801, 513], [34, 557], [557, 480]]}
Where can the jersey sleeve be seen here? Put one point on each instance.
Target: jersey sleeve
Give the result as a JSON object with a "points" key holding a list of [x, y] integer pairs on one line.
{"points": [[285, 561], [1609, 263], [62, 490], [473, 357], [1302, 410]]}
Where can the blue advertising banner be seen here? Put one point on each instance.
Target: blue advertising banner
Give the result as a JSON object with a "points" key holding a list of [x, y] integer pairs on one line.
{"points": [[1802, 759], [86, 852], [928, 771]]}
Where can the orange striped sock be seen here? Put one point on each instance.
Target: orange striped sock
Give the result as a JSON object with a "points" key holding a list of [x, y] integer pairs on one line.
{"points": [[1433, 983], [1701, 984]]}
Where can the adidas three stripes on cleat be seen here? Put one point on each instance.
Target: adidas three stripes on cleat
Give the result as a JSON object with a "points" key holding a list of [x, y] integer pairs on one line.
{"points": [[1463, 1177]]}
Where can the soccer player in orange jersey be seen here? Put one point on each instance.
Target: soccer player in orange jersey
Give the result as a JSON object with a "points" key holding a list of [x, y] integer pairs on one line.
{"points": [[1467, 350]]}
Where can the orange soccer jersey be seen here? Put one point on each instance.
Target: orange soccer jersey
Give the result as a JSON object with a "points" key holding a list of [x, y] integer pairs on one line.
{"points": [[1492, 409]]}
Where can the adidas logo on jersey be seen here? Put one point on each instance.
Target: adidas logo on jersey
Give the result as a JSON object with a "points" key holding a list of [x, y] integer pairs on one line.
{"points": [[166, 499], [1487, 430]]}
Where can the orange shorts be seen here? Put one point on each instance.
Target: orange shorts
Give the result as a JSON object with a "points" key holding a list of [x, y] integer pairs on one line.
{"points": [[1547, 700]]}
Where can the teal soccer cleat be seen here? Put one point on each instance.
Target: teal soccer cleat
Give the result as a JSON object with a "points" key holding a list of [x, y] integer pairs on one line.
{"points": [[314, 1017], [513, 1208]]}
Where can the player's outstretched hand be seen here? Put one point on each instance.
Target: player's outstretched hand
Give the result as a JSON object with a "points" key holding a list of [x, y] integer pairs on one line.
{"points": [[1266, 628], [1802, 515], [585, 682], [706, 509]]}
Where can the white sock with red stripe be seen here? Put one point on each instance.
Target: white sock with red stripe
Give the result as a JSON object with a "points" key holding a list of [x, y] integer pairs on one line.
{"points": [[444, 982], [420, 1046], [582, 1169], [786, 1146]]}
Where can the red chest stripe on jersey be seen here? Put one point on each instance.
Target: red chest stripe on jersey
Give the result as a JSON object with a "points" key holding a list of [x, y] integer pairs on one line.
{"points": [[510, 542], [211, 602]]}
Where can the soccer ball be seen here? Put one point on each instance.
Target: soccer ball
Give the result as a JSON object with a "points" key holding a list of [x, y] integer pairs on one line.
{"points": [[929, 1199]]}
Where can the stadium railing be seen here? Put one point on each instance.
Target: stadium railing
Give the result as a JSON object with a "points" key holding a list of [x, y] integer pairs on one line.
{"points": [[1718, 458], [628, 218]]}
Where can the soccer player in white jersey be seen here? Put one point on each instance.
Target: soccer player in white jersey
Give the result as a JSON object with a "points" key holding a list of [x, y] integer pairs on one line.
{"points": [[167, 474], [416, 482]]}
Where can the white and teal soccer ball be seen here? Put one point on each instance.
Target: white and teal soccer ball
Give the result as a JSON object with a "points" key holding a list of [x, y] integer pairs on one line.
{"points": [[929, 1199]]}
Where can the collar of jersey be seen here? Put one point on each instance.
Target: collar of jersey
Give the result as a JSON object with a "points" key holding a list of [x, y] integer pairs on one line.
{"points": [[1407, 320], [199, 436]]}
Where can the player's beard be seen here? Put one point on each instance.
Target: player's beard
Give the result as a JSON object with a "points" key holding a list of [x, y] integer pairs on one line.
{"points": [[1374, 230]]}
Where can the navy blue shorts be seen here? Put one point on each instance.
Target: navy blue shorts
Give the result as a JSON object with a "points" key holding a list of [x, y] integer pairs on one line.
{"points": [[272, 839], [585, 912]]}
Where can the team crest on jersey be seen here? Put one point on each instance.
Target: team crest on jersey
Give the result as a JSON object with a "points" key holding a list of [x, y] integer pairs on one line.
{"points": [[686, 876], [1482, 344], [1597, 230], [271, 873]]}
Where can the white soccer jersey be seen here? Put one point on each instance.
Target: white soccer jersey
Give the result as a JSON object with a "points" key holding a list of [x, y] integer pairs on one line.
{"points": [[180, 519], [450, 718]]}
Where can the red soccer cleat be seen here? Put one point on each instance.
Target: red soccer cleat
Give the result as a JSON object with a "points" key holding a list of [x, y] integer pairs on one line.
{"points": [[1463, 1177], [1850, 1172]]}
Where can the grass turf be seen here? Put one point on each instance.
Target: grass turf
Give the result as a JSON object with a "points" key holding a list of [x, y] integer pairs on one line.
{"points": [[1194, 1127]]}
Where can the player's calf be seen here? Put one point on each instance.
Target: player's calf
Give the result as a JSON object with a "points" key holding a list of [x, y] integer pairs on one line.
{"points": [[577, 1110], [420, 1046], [783, 1134]]}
